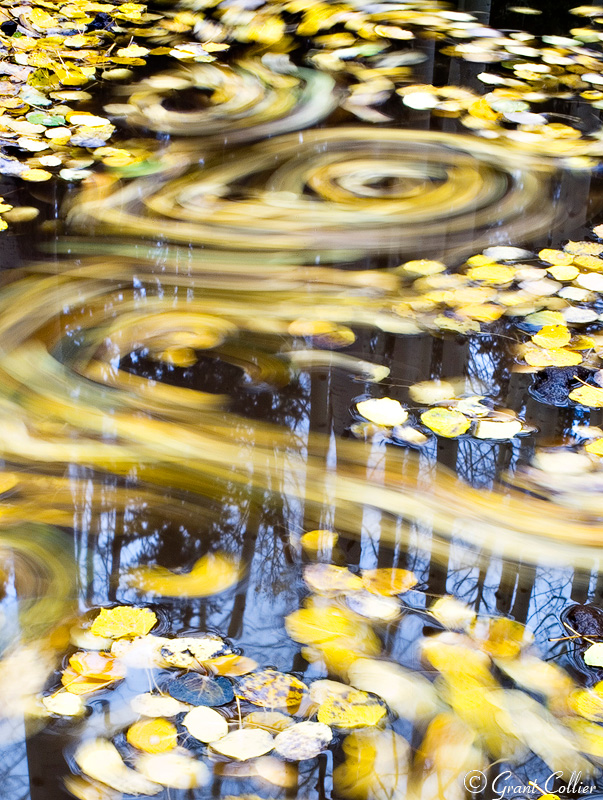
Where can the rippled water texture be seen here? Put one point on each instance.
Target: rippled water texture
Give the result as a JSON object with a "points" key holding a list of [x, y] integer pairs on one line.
{"points": [[189, 321]]}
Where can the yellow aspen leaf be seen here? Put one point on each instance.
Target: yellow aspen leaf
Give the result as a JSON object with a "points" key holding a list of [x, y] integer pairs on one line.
{"points": [[382, 411], [313, 541], [244, 744], [211, 574], [593, 656], [133, 51], [79, 684], [156, 735], [328, 579], [98, 666], [231, 664], [501, 637], [116, 623], [557, 257], [589, 262], [100, 760], [272, 689], [445, 422], [588, 396], [388, 580], [551, 357], [480, 260], [482, 312], [587, 703], [581, 343], [497, 274], [552, 336], [330, 623], [452, 613], [596, 447], [561, 272], [583, 248], [356, 710]]}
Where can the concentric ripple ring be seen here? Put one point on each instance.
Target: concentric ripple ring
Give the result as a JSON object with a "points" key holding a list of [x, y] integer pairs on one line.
{"points": [[338, 192]]}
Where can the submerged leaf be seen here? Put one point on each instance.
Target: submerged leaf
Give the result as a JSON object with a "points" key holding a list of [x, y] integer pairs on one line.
{"points": [[174, 770], [205, 724], [200, 690], [388, 581]]}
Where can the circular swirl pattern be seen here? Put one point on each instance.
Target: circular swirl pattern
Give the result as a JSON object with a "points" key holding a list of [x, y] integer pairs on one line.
{"points": [[340, 192], [229, 104]]}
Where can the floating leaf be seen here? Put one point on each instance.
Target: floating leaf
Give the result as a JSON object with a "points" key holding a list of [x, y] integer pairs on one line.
{"points": [[552, 336], [122, 621], [356, 709], [429, 392], [303, 740], [100, 760], [232, 665], [552, 357], [98, 666], [276, 772], [189, 652], [272, 689], [271, 721], [408, 694], [328, 579], [64, 703], [588, 396], [155, 705], [497, 429], [244, 744], [174, 770], [452, 613], [313, 541], [373, 606], [211, 574], [593, 656], [388, 580], [153, 735], [501, 637], [382, 411], [445, 422], [200, 690], [205, 724]]}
